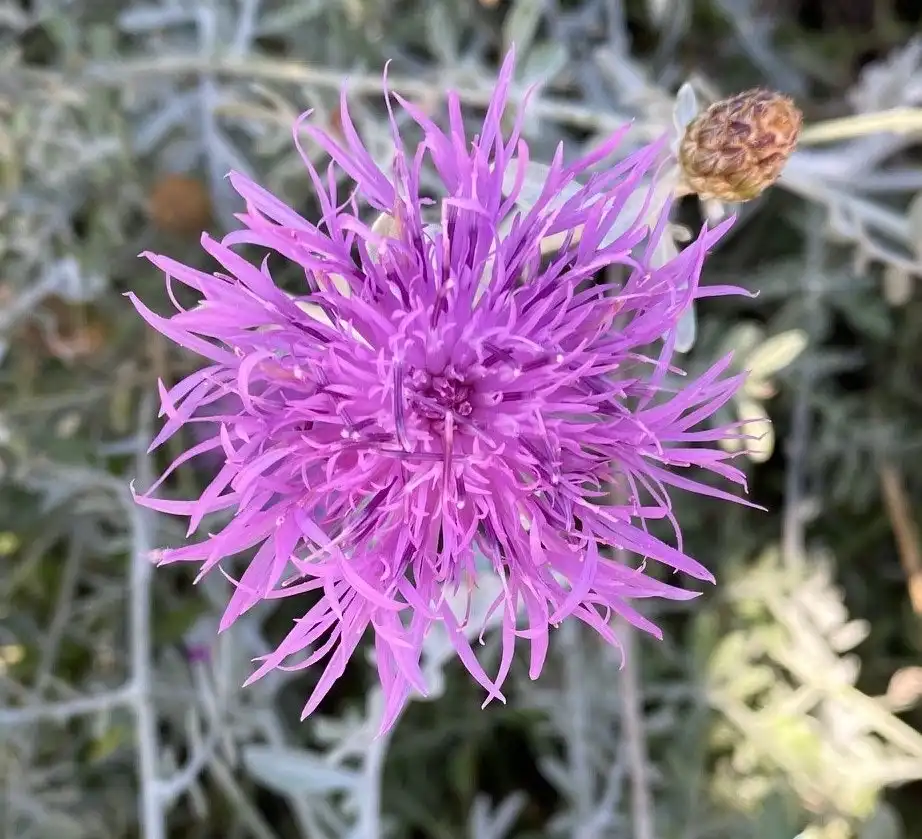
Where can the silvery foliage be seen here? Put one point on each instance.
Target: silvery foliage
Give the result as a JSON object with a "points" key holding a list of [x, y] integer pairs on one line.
{"points": [[190, 85]]}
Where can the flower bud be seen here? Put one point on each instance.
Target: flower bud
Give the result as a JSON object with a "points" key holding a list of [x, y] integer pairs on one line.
{"points": [[738, 147]]}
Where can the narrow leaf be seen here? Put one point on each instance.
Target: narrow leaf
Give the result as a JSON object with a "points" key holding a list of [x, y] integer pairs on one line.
{"points": [[296, 771]]}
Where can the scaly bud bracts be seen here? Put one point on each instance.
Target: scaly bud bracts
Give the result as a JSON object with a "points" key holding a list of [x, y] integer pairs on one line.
{"points": [[737, 148]]}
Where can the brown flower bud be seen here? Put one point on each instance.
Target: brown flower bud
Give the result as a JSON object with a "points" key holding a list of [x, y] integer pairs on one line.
{"points": [[737, 148], [180, 205]]}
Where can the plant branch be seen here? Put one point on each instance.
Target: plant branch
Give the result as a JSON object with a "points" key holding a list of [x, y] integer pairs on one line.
{"points": [[153, 818], [793, 539], [64, 711], [635, 737], [904, 530], [360, 84]]}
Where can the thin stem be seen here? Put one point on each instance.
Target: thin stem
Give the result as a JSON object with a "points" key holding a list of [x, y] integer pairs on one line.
{"points": [[247, 814], [635, 740], [793, 540], [153, 818], [169, 789], [896, 120], [62, 611], [360, 84], [369, 821], [577, 719], [64, 711], [906, 532]]}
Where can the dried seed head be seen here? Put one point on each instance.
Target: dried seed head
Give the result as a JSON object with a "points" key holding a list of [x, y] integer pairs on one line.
{"points": [[180, 205], [737, 148]]}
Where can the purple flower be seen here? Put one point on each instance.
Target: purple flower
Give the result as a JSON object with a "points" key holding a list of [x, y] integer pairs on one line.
{"points": [[441, 399]]}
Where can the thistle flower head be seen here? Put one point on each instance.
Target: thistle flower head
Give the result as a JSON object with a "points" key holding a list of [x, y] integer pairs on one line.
{"points": [[439, 401], [738, 147]]}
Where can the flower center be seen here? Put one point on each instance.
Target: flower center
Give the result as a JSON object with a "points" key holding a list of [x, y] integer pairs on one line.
{"points": [[434, 396]]}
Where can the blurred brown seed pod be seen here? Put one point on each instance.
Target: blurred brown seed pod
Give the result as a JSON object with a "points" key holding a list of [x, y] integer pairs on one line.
{"points": [[180, 205], [738, 147]]}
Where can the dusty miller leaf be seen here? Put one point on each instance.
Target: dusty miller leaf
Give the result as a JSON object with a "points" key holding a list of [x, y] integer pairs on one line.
{"points": [[742, 340], [898, 282], [296, 771], [776, 353], [686, 108], [914, 220], [521, 25], [686, 331], [758, 427], [487, 823], [545, 61]]}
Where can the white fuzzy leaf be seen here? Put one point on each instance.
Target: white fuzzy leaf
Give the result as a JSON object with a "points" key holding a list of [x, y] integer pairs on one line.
{"points": [[296, 772]]}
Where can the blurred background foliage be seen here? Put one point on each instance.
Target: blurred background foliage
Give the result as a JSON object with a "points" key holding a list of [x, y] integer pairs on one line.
{"points": [[785, 702]]}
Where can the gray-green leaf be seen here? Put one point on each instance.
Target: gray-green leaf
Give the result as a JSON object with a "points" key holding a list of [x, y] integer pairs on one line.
{"points": [[296, 771], [545, 61], [776, 353], [521, 25], [685, 109]]}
